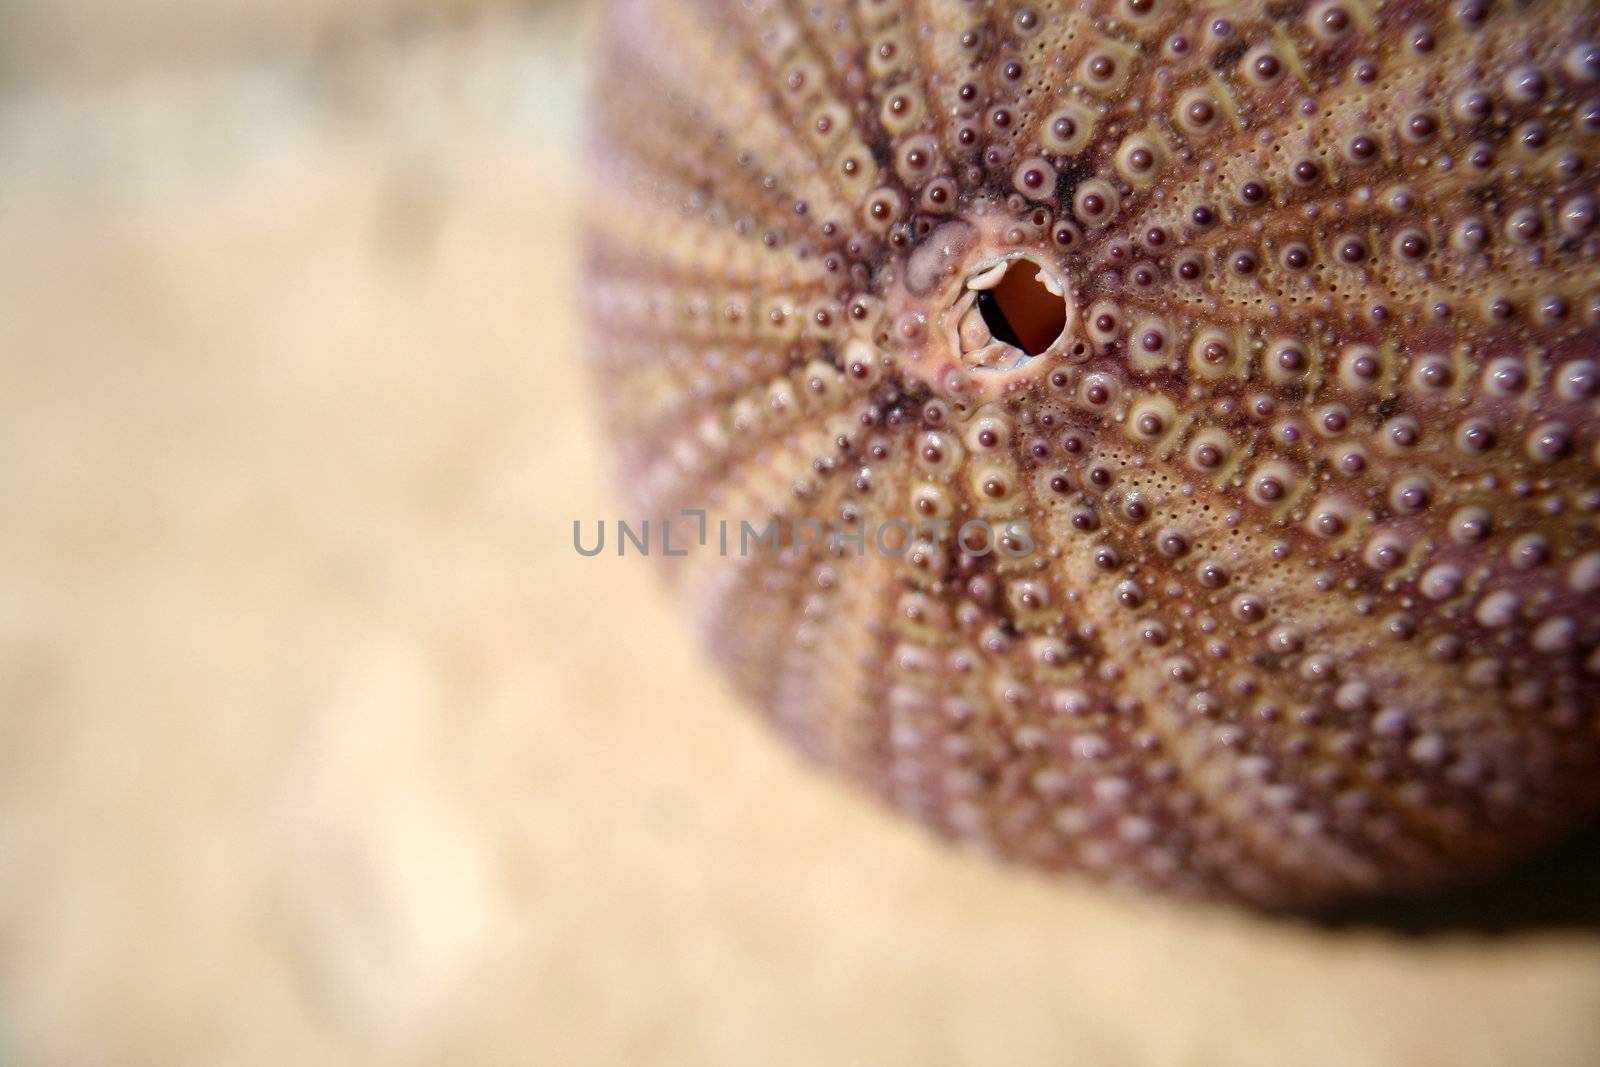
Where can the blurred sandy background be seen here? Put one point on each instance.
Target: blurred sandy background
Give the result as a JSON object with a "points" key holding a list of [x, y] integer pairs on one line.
{"points": [[319, 745]]}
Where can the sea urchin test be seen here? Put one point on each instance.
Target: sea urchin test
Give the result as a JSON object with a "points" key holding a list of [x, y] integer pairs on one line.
{"points": [[1277, 325]]}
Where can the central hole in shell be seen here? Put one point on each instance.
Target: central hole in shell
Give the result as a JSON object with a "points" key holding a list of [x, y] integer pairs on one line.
{"points": [[1020, 311]]}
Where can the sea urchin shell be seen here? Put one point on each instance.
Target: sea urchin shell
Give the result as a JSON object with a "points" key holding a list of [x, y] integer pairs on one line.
{"points": [[1177, 421]]}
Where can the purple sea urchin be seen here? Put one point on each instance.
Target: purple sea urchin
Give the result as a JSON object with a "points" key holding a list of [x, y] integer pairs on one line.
{"points": [[1269, 335]]}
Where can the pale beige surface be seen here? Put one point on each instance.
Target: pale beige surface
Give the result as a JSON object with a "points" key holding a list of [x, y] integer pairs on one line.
{"points": [[318, 744]]}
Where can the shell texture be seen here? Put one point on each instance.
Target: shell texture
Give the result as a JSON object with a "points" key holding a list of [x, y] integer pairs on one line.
{"points": [[1212, 389]]}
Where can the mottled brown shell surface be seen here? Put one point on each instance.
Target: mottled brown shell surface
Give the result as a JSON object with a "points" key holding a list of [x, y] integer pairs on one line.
{"points": [[1264, 338]]}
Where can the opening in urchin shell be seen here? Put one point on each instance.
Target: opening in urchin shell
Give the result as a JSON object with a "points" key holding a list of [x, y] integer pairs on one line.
{"points": [[1021, 311]]}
